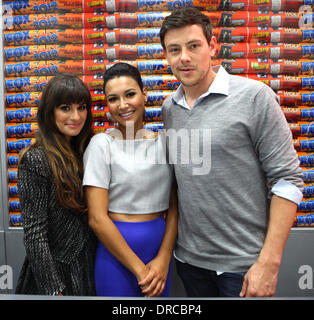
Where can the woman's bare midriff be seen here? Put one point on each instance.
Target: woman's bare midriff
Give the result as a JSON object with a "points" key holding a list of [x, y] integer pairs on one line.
{"points": [[134, 217]]}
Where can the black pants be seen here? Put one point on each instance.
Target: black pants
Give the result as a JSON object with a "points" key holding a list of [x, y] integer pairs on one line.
{"points": [[199, 282]]}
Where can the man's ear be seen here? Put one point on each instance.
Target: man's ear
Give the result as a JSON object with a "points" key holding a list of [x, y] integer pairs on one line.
{"points": [[213, 46]]}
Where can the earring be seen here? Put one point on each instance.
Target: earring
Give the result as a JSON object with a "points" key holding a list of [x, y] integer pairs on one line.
{"points": [[109, 116], [110, 119]]}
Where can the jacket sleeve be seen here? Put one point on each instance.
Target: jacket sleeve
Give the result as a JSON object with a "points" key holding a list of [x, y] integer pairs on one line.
{"points": [[34, 186], [273, 143]]}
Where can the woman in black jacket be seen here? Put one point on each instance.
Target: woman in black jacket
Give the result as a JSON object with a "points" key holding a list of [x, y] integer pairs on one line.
{"points": [[60, 246]]}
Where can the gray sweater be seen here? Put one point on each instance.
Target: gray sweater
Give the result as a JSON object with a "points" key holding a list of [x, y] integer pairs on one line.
{"points": [[223, 213]]}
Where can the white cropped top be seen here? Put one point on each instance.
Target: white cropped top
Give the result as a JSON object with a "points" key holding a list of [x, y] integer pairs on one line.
{"points": [[135, 172]]}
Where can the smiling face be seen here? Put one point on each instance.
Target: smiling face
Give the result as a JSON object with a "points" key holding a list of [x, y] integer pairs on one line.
{"points": [[70, 118], [189, 55], [126, 101]]}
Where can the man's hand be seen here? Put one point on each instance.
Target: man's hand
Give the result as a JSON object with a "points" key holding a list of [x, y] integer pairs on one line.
{"points": [[260, 280]]}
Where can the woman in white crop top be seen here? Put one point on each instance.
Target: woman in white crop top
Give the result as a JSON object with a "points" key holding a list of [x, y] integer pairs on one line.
{"points": [[130, 195]]}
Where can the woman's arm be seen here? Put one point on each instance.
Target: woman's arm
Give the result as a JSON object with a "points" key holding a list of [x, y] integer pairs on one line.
{"points": [[154, 282], [107, 232]]}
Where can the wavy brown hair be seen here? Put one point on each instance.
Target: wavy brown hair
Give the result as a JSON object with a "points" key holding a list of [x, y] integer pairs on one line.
{"points": [[65, 158]]}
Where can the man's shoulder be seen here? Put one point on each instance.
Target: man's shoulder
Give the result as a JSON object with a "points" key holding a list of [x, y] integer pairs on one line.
{"points": [[168, 107], [168, 102], [245, 83], [250, 88]]}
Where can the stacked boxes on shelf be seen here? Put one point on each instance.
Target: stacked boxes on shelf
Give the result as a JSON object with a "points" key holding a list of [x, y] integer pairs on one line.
{"points": [[42, 38], [267, 40], [276, 48]]}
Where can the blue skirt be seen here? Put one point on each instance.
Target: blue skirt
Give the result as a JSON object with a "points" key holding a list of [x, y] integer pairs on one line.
{"points": [[113, 278]]}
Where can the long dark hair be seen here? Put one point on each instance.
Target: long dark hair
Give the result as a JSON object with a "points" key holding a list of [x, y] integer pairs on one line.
{"points": [[65, 158]]}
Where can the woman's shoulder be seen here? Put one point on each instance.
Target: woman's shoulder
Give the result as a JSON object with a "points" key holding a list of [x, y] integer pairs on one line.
{"points": [[33, 154], [113, 134], [101, 138], [100, 142], [34, 159]]}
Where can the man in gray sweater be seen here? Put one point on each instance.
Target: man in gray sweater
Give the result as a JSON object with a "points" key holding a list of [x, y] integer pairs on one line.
{"points": [[238, 196]]}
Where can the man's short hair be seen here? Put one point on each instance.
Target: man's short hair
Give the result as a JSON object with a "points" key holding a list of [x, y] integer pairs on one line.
{"points": [[183, 17]]}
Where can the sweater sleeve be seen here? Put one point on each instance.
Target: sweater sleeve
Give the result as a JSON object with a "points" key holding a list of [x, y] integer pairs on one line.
{"points": [[97, 161], [273, 143], [34, 186]]}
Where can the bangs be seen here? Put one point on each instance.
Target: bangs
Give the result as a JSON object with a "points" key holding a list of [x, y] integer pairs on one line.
{"points": [[64, 88], [71, 91]]}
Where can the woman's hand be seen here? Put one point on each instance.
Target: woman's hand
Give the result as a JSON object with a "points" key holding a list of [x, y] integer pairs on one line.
{"points": [[154, 283]]}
